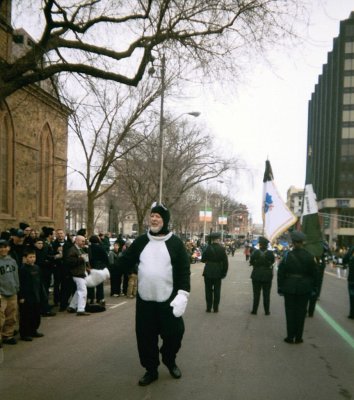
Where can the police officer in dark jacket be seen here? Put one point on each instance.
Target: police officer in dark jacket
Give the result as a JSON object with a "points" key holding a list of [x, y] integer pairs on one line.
{"points": [[348, 262], [216, 266], [297, 280], [262, 261]]}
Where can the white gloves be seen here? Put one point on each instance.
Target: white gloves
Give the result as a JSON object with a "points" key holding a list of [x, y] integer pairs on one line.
{"points": [[179, 303]]}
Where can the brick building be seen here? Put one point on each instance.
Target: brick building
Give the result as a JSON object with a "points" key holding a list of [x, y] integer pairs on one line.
{"points": [[33, 144]]}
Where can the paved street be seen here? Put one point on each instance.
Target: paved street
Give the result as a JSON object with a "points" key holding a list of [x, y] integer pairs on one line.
{"points": [[230, 355]]}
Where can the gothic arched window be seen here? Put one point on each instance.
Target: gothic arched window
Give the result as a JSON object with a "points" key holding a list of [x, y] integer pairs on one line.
{"points": [[46, 173], [6, 162]]}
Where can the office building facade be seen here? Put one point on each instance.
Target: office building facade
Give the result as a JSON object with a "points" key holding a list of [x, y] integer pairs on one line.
{"points": [[330, 147]]}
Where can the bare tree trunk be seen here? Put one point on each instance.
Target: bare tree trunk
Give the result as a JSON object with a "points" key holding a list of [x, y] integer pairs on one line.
{"points": [[90, 214]]}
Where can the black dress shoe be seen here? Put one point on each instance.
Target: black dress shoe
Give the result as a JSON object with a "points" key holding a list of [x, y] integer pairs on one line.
{"points": [[149, 377], [298, 341], [9, 340], [267, 313], [288, 340], [351, 316], [175, 372], [26, 338], [254, 312], [49, 314], [37, 334]]}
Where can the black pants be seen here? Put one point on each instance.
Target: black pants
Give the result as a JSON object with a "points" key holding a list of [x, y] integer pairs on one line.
{"points": [[295, 312], [114, 279], [259, 287], [30, 318], [312, 304], [67, 288], [152, 320], [212, 293], [351, 298], [96, 292]]}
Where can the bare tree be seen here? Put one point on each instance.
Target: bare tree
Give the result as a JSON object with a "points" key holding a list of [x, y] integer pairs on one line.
{"points": [[188, 161], [101, 128], [116, 40]]}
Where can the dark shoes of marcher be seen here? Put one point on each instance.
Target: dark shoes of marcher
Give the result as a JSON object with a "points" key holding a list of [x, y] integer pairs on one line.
{"points": [[175, 372], [351, 316], [26, 338], [37, 334], [49, 314], [71, 310], [149, 377], [82, 314], [292, 341], [10, 340]]}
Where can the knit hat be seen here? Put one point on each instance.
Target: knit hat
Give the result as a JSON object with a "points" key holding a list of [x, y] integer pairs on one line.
{"points": [[23, 225], [94, 239], [47, 230], [164, 213], [17, 232], [3, 243]]}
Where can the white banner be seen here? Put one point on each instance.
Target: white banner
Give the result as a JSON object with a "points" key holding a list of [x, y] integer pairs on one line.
{"points": [[277, 217]]}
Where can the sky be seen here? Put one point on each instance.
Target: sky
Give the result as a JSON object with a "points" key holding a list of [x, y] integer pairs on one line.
{"points": [[267, 118]]}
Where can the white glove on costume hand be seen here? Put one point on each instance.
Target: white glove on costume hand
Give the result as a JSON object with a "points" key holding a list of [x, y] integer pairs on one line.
{"points": [[179, 303]]}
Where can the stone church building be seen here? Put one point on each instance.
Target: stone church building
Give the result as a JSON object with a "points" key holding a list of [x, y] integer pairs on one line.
{"points": [[33, 144]]}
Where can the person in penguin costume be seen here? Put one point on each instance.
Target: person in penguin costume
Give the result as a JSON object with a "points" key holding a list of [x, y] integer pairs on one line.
{"points": [[162, 296]]}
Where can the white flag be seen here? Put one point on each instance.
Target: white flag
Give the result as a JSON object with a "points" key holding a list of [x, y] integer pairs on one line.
{"points": [[277, 217]]}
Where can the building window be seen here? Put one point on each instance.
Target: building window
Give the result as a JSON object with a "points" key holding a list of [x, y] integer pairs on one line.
{"points": [[46, 174], [348, 116], [349, 47], [349, 64], [6, 162], [349, 81], [347, 148], [348, 98], [347, 133]]}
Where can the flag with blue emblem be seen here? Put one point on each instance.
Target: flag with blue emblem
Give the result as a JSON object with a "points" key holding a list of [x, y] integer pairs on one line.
{"points": [[277, 217]]}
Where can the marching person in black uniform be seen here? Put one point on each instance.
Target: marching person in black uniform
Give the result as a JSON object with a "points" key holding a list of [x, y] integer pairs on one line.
{"points": [[297, 280], [262, 261], [162, 296], [348, 262], [216, 266]]}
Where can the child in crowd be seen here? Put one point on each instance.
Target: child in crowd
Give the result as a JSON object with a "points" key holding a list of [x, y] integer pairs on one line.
{"points": [[31, 296], [9, 286]]}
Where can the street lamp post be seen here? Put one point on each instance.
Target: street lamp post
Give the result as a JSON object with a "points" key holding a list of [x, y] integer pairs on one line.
{"points": [[222, 213], [163, 62], [161, 141]]}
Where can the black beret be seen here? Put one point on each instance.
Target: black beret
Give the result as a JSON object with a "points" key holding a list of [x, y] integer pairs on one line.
{"points": [[297, 236]]}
